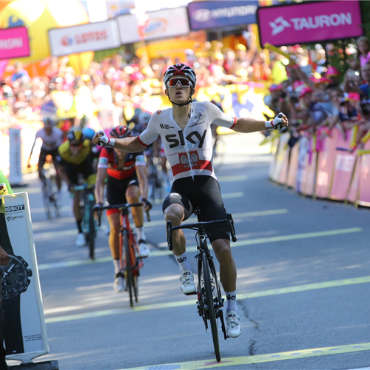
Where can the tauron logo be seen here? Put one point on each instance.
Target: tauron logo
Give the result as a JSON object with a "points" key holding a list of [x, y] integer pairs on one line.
{"points": [[279, 25], [14, 208]]}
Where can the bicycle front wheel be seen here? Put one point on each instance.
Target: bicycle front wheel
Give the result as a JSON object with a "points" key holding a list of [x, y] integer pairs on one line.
{"points": [[209, 300], [129, 277]]}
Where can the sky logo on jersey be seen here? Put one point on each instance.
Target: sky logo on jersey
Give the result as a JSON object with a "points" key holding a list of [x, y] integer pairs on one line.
{"points": [[176, 140]]}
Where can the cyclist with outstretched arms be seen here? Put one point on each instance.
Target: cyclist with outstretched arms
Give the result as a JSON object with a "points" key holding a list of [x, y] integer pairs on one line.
{"points": [[186, 135], [127, 180]]}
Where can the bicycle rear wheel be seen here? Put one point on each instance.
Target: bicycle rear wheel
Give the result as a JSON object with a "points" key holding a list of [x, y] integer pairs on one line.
{"points": [[129, 277], [210, 303]]}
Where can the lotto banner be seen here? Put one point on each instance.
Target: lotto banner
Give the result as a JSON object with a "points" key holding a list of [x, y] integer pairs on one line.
{"points": [[24, 331]]}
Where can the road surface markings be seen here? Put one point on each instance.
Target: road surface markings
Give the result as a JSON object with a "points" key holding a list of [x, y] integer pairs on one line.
{"points": [[231, 178], [189, 302], [245, 360], [240, 243]]}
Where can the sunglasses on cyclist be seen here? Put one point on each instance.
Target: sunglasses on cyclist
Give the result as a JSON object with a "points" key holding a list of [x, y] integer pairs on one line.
{"points": [[75, 145], [180, 80]]}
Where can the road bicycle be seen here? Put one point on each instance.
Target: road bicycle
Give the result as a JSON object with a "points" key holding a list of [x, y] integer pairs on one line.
{"points": [[89, 227], [131, 263], [50, 193], [210, 301]]}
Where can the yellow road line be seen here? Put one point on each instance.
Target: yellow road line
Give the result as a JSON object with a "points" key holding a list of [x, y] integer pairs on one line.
{"points": [[246, 360], [189, 302]]}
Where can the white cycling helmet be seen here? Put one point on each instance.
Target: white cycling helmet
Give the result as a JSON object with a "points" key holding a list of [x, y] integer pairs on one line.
{"points": [[180, 69]]}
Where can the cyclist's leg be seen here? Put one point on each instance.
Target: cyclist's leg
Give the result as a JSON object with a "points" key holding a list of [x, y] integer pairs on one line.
{"points": [[42, 159], [177, 208], [133, 196], [115, 195], [54, 154]]}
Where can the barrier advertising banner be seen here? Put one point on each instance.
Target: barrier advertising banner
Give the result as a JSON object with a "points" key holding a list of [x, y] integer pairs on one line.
{"points": [[309, 22], [213, 14], [162, 24], [87, 37], [14, 43], [24, 324]]}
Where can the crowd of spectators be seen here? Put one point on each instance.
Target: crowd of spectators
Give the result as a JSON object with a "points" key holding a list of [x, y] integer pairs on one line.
{"points": [[314, 96], [316, 102], [118, 82]]}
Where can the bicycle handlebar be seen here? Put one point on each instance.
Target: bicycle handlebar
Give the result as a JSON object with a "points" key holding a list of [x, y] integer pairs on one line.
{"points": [[122, 206], [200, 226]]}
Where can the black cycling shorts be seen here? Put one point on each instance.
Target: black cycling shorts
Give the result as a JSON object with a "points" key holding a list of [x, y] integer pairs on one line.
{"points": [[203, 192], [116, 189], [77, 172], [44, 153]]}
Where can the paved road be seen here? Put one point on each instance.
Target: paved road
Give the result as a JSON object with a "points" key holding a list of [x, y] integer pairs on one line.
{"points": [[303, 285]]}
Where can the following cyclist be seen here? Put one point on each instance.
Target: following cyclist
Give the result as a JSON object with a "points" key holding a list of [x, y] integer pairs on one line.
{"points": [[127, 179], [51, 137], [186, 135], [76, 159]]}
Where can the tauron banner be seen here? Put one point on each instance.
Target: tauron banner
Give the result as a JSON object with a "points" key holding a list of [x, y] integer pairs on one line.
{"points": [[24, 324], [309, 22], [86, 37], [216, 14], [14, 43]]}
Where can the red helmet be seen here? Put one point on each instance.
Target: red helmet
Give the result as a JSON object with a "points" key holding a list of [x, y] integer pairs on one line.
{"points": [[180, 69], [120, 132]]}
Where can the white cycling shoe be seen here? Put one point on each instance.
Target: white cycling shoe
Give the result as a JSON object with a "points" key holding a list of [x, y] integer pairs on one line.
{"points": [[187, 282], [144, 250], [233, 328], [119, 284], [80, 240]]}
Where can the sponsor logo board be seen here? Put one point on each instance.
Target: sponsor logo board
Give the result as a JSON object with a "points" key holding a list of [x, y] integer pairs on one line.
{"points": [[14, 43], [311, 22]]}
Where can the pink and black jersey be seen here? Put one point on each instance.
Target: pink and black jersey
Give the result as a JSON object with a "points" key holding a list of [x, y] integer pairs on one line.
{"points": [[189, 151]]}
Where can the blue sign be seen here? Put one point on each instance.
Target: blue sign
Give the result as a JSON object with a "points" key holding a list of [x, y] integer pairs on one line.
{"points": [[215, 14]]}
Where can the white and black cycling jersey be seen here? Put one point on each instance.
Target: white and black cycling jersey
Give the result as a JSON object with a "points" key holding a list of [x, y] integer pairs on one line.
{"points": [[52, 141], [189, 151]]}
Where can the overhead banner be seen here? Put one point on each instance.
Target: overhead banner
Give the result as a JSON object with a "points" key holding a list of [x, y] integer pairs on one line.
{"points": [[162, 24], [87, 37], [215, 14], [24, 323], [14, 43], [306, 23]]}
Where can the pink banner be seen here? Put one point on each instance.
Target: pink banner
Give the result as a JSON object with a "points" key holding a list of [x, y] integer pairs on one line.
{"points": [[364, 180], [344, 165], [311, 22], [14, 43], [325, 164], [293, 166]]}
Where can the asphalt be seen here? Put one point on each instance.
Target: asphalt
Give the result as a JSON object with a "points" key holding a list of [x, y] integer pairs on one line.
{"points": [[303, 282]]}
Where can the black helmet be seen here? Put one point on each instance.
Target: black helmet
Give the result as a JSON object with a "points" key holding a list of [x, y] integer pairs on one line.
{"points": [[75, 134]]}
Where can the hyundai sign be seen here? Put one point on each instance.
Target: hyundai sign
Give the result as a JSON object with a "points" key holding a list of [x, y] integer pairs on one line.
{"points": [[215, 14], [86, 37], [312, 22]]}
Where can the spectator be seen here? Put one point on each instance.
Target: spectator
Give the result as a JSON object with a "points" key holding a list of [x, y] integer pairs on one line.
{"points": [[363, 46], [20, 73]]}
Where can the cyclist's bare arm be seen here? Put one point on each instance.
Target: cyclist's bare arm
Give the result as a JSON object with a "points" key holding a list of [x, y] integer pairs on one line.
{"points": [[127, 144], [142, 175], [99, 186], [251, 125]]}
